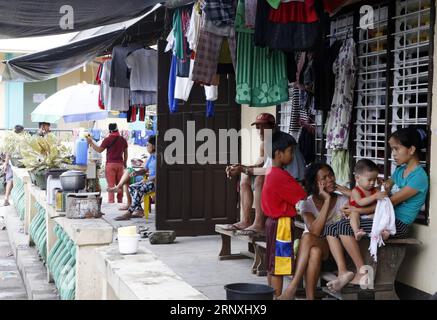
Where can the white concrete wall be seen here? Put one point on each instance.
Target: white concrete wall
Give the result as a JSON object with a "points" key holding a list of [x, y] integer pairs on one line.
{"points": [[419, 267]]}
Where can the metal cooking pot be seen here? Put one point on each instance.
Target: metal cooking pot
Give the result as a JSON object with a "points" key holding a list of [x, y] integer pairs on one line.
{"points": [[73, 180]]}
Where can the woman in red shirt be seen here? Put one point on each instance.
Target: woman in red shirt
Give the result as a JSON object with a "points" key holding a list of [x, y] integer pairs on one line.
{"points": [[116, 158]]}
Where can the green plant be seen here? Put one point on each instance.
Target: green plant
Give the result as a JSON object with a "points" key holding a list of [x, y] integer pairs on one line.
{"points": [[41, 153], [12, 143]]}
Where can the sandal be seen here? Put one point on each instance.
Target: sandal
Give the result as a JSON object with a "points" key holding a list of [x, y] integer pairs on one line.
{"points": [[123, 217]]}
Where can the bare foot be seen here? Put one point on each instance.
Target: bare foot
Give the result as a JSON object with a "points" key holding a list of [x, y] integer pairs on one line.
{"points": [[359, 234], [385, 235], [288, 294], [342, 280], [357, 279], [124, 208]]}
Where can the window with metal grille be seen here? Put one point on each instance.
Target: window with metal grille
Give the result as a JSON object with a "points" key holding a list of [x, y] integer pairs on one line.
{"points": [[394, 80]]}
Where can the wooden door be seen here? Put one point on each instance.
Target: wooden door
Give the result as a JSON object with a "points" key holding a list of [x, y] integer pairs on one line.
{"points": [[192, 198]]}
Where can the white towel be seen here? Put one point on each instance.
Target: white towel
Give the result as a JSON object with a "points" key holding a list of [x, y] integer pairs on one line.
{"points": [[384, 219]]}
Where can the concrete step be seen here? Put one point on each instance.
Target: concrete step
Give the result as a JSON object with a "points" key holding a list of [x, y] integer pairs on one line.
{"points": [[31, 267]]}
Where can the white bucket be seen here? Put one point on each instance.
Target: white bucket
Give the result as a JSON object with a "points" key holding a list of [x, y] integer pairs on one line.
{"points": [[128, 244]]}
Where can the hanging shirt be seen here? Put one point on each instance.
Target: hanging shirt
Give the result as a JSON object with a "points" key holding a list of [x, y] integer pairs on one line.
{"points": [[280, 194], [144, 70], [220, 12], [115, 99], [194, 28], [119, 69]]}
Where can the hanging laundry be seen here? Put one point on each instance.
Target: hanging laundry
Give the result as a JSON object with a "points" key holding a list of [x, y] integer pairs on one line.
{"points": [[99, 82], [338, 124], [225, 65], [143, 65], [261, 73], [250, 13], [210, 106], [119, 70], [145, 98], [207, 55], [217, 24], [116, 99], [295, 111], [172, 102], [340, 166], [132, 114], [324, 79], [142, 113], [307, 144], [220, 12], [194, 27], [292, 26]]}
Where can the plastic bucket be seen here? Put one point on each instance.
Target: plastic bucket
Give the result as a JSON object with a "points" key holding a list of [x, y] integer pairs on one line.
{"points": [[128, 244], [248, 291]]}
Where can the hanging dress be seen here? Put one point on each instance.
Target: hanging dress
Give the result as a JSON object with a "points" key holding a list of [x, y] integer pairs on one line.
{"points": [[261, 73], [338, 124]]}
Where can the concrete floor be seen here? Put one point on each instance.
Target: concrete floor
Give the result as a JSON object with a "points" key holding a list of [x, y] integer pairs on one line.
{"points": [[195, 259], [11, 284]]}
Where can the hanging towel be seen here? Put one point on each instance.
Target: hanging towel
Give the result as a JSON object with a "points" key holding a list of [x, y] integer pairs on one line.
{"points": [[284, 247], [384, 219], [340, 165]]}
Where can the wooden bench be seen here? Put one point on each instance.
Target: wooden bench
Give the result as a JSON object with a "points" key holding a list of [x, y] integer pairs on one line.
{"points": [[258, 266], [385, 270], [390, 258]]}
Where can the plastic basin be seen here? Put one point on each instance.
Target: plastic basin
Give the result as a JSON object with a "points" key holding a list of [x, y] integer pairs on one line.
{"points": [[248, 291]]}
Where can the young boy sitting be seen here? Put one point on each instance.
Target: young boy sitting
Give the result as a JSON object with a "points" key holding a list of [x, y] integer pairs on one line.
{"points": [[279, 197], [364, 194]]}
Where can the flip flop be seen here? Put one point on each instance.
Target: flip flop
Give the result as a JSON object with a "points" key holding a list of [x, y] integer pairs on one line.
{"points": [[126, 216], [231, 227], [251, 233]]}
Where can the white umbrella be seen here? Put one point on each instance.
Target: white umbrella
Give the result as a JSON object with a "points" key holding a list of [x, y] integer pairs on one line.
{"points": [[73, 104]]}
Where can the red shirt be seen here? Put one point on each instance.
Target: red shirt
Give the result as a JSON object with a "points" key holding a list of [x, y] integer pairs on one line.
{"points": [[115, 149], [280, 194], [363, 195]]}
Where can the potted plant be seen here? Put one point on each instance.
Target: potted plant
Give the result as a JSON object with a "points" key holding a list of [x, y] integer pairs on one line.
{"points": [[41, 154], [11, 143]]}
